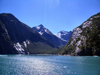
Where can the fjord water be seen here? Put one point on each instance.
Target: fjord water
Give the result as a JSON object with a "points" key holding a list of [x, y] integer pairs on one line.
{"points": [[49, 65]]}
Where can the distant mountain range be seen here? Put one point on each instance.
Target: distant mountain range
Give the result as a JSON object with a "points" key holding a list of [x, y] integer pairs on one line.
{"points": [[47, 34], [17, 37], [64, 35], [85, 39]]}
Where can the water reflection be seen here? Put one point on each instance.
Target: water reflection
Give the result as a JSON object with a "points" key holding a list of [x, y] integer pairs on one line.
{"points": [[37, 66]]}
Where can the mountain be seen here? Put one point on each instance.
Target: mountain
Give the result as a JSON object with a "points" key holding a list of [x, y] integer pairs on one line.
{"points": [[64, 35], [17, 37], [49, 36], [85, 39]]}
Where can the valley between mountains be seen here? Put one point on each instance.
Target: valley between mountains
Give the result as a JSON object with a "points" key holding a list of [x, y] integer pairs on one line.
{"points": [[18, 38]]}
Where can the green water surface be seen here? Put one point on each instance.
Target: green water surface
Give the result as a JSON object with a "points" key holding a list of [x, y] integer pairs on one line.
{"points": [[49, 65]]}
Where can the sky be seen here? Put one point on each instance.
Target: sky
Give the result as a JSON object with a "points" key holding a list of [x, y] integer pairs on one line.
{"points": [[56, 15]]}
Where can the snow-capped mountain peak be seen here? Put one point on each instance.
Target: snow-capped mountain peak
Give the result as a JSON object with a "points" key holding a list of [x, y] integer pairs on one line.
{"points": [[63, 32], [64, 35], [41, 29]]}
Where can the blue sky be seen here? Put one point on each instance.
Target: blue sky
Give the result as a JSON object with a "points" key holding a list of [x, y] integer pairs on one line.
{"points": [[56, 15]]}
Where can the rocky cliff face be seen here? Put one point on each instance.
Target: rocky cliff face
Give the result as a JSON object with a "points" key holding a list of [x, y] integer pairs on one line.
{"points": [[85, 39], [16, 37], [49, 36]]}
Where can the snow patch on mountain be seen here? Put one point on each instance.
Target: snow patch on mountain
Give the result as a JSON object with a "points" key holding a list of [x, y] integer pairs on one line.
{"points": [[19, 48], [26, 43], [41, 33], [38, 27]]}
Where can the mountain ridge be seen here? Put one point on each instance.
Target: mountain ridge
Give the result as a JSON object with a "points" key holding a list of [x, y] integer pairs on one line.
{"points": [[17, 37], [85, 38], [49, 36]]}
